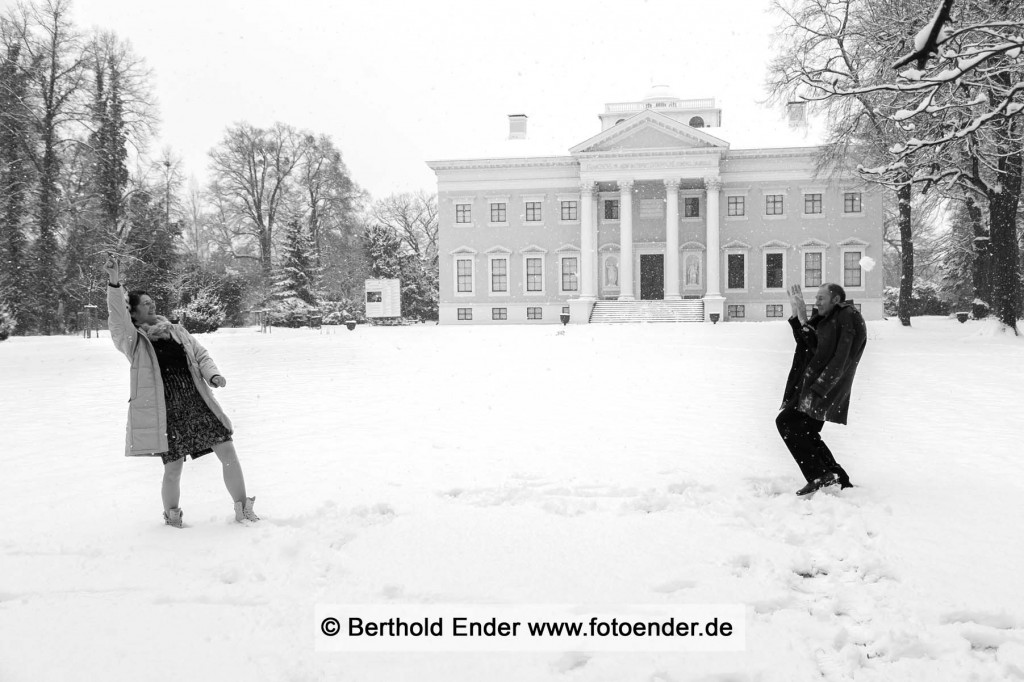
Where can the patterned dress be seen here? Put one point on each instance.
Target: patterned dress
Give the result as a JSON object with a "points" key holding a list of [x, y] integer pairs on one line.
{"points": [[192, 428]]}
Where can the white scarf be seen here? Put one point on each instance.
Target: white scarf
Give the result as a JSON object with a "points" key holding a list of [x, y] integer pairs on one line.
{"points": [[160, 330]]}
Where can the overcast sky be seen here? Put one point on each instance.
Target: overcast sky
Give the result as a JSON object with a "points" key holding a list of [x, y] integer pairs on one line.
{"points": [[398, 83]]}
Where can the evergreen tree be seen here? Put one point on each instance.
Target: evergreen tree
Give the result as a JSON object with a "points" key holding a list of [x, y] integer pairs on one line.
{"points": [[15, 184], [957, 282], [150, 247], [109, 138], [383, 249], [296, 274], [390, 258]]}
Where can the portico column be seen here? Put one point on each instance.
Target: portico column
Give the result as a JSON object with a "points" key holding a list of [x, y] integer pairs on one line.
{"points": [[588, 243], [626, 240], [672, 240], [597, 244], [714, 302]]}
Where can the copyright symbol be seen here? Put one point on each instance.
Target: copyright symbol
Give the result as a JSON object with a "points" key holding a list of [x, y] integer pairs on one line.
{"points": [[330, 626]]}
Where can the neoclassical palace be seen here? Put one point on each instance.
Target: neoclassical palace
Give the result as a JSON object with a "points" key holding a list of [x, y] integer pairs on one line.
{"points": [[655, 213]]}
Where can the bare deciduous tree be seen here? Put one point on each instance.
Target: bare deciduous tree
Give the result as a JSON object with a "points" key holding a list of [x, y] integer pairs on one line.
{"points": [[960, 111], [413, 217], [253, 184]]}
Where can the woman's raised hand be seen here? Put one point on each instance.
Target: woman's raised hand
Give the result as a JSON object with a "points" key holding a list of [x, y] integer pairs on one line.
{"points": [[113, 268]]}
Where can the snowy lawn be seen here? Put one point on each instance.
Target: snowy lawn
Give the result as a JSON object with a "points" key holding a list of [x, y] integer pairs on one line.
{"points": [[520, 465]]}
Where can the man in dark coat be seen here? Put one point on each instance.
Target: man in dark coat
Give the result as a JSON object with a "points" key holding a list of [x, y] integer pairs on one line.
{"points": [[829, 346]]}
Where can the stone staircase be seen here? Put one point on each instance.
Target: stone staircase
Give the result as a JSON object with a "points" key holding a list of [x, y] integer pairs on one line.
{"points": [[611, 312]]}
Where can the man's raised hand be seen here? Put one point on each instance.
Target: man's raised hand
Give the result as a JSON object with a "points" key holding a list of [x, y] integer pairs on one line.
{"points": [[796, 300]]}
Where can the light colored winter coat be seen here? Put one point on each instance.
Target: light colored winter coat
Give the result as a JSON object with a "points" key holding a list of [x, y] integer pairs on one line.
{"points": [[147, 412]]}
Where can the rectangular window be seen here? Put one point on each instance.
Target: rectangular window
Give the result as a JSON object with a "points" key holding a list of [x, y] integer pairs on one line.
{"points": [[374, 296], [499, 313], [464, 269], [533, 211], [857, 306], [570, 210], [773, 310], [463, 213], [736, 271], [737, 206], [851, 269], [498, 213], [773, 204], [465, 313], [533, 313], [611, 209], [737, 311], [499, 275], [812, 203], [851, 202], [565, 310], [773, 271], [691, 207], [570, 274], [812, 269], [535, 274]]}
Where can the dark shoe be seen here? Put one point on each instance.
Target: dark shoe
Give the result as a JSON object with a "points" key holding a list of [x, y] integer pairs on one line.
{"points": [[842, 477], [817, 484]]}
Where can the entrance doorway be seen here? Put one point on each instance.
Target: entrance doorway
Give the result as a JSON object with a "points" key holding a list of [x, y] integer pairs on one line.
{"points": [[652, 276]]}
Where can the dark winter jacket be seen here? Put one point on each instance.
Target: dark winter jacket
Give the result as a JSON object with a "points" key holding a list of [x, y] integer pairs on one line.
{"points": [[806, 342], [828, 351]]}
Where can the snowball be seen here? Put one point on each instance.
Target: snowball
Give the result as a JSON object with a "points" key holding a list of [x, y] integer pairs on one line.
{"points": [[868, 263]]}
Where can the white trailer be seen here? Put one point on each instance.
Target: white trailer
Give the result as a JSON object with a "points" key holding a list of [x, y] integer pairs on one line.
{"points": [[383, 298]]}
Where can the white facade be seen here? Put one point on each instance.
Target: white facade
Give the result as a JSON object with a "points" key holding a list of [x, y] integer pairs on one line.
{"points": [[657, 207]]}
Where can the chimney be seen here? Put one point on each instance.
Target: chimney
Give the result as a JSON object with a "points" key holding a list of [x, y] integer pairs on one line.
{"points": [[517, 126], [796, 112]]}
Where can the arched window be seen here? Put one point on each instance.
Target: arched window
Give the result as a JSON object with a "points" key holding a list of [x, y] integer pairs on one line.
{"points": [[696, 122]]}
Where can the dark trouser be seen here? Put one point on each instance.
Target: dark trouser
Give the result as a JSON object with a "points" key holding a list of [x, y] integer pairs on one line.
{"points": [[801, 433]]}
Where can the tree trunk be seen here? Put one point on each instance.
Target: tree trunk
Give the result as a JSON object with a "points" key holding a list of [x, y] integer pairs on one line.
{"points": [[1003, 200], [1006, 299], [982, 270], [903, 195], [46, 279], [265, 252]]}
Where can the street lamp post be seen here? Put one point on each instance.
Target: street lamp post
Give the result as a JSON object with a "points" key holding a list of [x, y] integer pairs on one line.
{"points": [[167, 195]]}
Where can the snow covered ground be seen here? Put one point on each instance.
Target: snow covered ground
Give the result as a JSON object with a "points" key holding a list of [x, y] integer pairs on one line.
{"points": [[520, 465]]}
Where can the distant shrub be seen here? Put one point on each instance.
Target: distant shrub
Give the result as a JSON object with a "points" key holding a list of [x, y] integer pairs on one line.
{"points": [[341, 311], [927, 300], [289, 312], [202, 314], [891, 301]]}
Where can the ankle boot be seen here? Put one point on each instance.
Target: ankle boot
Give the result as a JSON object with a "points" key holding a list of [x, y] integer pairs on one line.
{"points": [[244, 512], [172, 517]]}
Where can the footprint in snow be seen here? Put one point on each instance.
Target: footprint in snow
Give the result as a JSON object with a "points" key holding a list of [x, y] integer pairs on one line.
{"points": [[675, 586], [570, 661]]}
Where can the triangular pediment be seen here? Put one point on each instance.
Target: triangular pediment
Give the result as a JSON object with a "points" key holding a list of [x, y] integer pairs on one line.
{"points": [[649, 130]]}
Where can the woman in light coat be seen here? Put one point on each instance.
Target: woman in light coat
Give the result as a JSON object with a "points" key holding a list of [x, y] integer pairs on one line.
{"points": [[171, 412]]}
